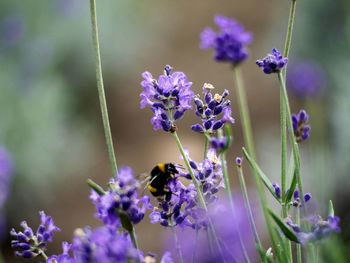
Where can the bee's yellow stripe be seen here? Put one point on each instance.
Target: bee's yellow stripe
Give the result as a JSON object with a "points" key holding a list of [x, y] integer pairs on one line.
{"points": [[151, 189], [161, 167]]}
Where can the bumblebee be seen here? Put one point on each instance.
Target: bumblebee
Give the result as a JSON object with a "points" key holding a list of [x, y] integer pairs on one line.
{"points": [[160, 176]]}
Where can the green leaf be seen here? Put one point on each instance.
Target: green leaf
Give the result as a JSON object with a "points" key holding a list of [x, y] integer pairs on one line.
{"points": [[261, 174], [284, 228], [94, 186], [292, 187], [330, 208]]}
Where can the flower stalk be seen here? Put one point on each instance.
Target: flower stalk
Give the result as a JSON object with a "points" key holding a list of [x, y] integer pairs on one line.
{"points": [[100, 88]]}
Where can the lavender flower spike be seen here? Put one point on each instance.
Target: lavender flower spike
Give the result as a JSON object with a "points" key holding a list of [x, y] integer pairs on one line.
{"points": [[229, 42], [29, 245], [301, 128], [168, 97], [214, 111], [272, 63]]}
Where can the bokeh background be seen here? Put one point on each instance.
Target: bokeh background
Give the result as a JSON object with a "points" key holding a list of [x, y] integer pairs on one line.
{"points": [[50, 118]]}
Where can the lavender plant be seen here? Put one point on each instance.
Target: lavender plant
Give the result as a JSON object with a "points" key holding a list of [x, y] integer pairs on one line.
{"points": [[218, 229]]}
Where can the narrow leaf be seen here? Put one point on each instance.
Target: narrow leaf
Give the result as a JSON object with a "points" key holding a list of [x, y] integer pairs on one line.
{"points": [[94, 186], [330, 209], [261, 174], [284, 228]]}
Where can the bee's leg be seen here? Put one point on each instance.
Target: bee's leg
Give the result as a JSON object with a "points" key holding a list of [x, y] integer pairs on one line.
{"points": [[168, 193]]}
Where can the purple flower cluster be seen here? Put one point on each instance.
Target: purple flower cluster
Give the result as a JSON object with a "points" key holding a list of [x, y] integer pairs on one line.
{"points": [[306, 80], [122, 197], [219, 144], [296, 195], [181, 210], [210, 110], [29, 245], [272, 63], [320, 228], [301, 128], [103, 245], [229, 43], [209, 175], [168, 97]]}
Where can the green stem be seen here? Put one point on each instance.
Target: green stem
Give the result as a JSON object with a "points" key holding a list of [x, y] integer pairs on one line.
{"points": [[189, 168], [100, 88], [283, 155], [42, 253], [206, 146], [244, 112], [177, 244], [295, 147], [299, 255], [247, 206], [288, 41]]}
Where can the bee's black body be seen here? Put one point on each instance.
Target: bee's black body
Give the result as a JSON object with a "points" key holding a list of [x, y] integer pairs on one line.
{"points": [[160, 176]]}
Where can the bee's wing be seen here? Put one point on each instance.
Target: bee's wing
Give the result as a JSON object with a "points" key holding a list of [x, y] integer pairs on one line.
{"points": [[148, 183]]}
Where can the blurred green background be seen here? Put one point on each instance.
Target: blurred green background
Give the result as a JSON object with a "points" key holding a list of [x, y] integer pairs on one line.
{"points": [[50, 117]]}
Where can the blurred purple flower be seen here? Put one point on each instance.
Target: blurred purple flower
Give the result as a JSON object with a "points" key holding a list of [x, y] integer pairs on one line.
{"points": [[210, 109], [29, 245], [6, 172], [64, 257], [103, 245], [122, 197], [272, 63], [320, 228], [306, 80], [12, 29], [224, 223], [168, 97], [300, 126], [229, 42]]}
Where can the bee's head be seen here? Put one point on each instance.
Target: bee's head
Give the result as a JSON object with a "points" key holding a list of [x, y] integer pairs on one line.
{"points": [[170, 168]]}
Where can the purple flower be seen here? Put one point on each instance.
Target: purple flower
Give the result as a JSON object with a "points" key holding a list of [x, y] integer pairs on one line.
{"points": [[229, 42], [122, 197], [29, 245], [320, 228], [12, 29], [226, 224], [296, 196], [301, 128], [64, 257], [306, 80], [103, 245], [272, 63], [210, 109], [6, 172], [168, 97]]}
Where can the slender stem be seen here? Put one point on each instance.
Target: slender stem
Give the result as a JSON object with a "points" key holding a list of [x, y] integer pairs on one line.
{"points": [[299, 255], [230, 198], [244, 112], [288, 41], [247, 206], [206, 146], [177, 245], [100, 88], [42, 253], [189, 168], [295, 147]]}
